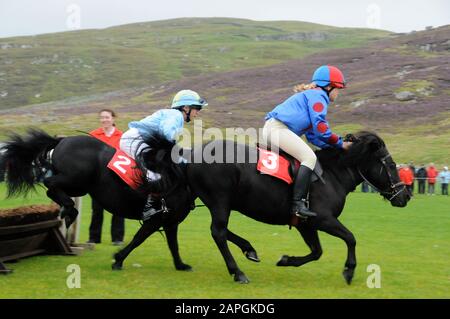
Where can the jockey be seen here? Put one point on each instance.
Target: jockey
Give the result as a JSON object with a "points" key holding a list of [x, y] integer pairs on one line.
{"points": [[167, 122], [304, 114]]}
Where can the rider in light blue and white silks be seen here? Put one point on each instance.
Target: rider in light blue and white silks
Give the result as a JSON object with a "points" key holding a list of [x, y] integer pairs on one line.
{"points": [[166, 122]]}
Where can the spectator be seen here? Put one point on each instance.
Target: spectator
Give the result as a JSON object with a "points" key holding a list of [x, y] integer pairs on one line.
{"points": [[432, 173], [413, 170], [109, 134], [406, 176], [421, 177], [444, 178]]}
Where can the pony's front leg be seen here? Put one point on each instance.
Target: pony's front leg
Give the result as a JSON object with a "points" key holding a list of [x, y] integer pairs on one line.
{"points": [[311, 238], [172, 240], [56, 185], [219, 233], [335, 228], [147, 228]]}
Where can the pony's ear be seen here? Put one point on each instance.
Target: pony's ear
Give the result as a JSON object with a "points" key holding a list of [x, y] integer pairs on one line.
{"points": [[350, 138]]}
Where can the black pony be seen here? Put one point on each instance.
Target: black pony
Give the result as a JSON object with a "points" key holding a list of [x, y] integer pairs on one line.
{"points": [[77, 166], [225, 186]]}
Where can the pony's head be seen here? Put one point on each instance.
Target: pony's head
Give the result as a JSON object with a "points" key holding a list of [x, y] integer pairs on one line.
{"points": [[370, 156], [162, 157]]}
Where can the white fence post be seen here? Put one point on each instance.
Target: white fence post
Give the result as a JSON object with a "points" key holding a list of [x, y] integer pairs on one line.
{"points": [[72, 234]]}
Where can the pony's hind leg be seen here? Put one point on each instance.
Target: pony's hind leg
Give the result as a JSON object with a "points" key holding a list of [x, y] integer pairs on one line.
{"points": [[244, 245], [147, 228], [311, 237], [56, 185]]}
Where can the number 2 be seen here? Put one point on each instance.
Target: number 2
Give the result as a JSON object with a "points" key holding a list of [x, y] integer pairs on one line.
{"points": [[125, 161]]}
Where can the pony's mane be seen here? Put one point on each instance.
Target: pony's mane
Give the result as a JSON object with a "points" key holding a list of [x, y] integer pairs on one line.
{"points": [[364, 144], [156, 156]]}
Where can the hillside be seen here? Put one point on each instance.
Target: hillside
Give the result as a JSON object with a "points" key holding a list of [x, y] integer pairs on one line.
{"points": [[49, 67]]}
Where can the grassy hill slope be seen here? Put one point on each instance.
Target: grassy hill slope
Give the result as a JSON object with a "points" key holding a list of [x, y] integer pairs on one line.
{"points": [[415, 129], [37, 69]]}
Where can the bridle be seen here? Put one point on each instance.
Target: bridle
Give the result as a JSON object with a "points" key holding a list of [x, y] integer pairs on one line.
{"points": [[382, 154]]}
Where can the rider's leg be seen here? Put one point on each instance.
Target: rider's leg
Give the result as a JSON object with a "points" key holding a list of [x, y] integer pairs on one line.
{"points": [[153, 204], [152, 207], [300, 191], [278, 134], [131, 143]]}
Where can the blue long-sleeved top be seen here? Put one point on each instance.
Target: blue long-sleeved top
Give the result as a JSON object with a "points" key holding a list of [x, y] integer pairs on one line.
{"points": [[444, 177], [167, 122], [304, 113]]}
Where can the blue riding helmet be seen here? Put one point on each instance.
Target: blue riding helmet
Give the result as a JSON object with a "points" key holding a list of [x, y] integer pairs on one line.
{"points": [[188, 98]]}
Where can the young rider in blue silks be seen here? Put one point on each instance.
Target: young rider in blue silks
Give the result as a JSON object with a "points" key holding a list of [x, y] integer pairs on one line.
{"points": [[166, 122], [304, 114]]}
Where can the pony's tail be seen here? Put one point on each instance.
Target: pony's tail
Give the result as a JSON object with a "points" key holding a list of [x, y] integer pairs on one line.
{"points": [[21, 155]]}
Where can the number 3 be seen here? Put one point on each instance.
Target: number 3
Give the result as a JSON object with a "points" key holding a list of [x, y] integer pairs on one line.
{"points": [[271, 161]]}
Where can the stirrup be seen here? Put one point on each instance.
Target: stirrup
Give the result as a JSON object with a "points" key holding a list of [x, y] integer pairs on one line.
{"points": [[305, 214]]}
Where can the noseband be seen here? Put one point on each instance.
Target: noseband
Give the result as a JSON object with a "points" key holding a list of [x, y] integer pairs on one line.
{"points": [[391, 193]]}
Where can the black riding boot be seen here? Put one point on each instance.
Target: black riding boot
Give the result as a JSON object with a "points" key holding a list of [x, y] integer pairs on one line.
{"points": [[152, 207], [301, 186]]}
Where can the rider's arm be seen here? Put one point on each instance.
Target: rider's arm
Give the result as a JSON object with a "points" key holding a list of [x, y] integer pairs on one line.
{"points": [[320, 127]]}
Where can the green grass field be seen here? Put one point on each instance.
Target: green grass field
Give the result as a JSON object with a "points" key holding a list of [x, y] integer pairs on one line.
{"points": [[411, 245]]}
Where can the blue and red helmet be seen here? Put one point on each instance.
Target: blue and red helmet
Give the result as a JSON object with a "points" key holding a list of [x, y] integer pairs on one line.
{"points": [[329, 75]]}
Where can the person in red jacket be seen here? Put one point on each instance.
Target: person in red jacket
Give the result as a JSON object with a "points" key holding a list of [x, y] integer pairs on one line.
{"points": [[432, 173], [109, 134], [406, 176]]}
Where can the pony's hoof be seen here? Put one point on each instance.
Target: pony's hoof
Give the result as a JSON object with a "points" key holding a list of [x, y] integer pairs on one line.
{"points": [[251, 255], [117, 266], [69, 215], [69, 221], [284, 260], [184, 267], [348, 275], [241, 278]]}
